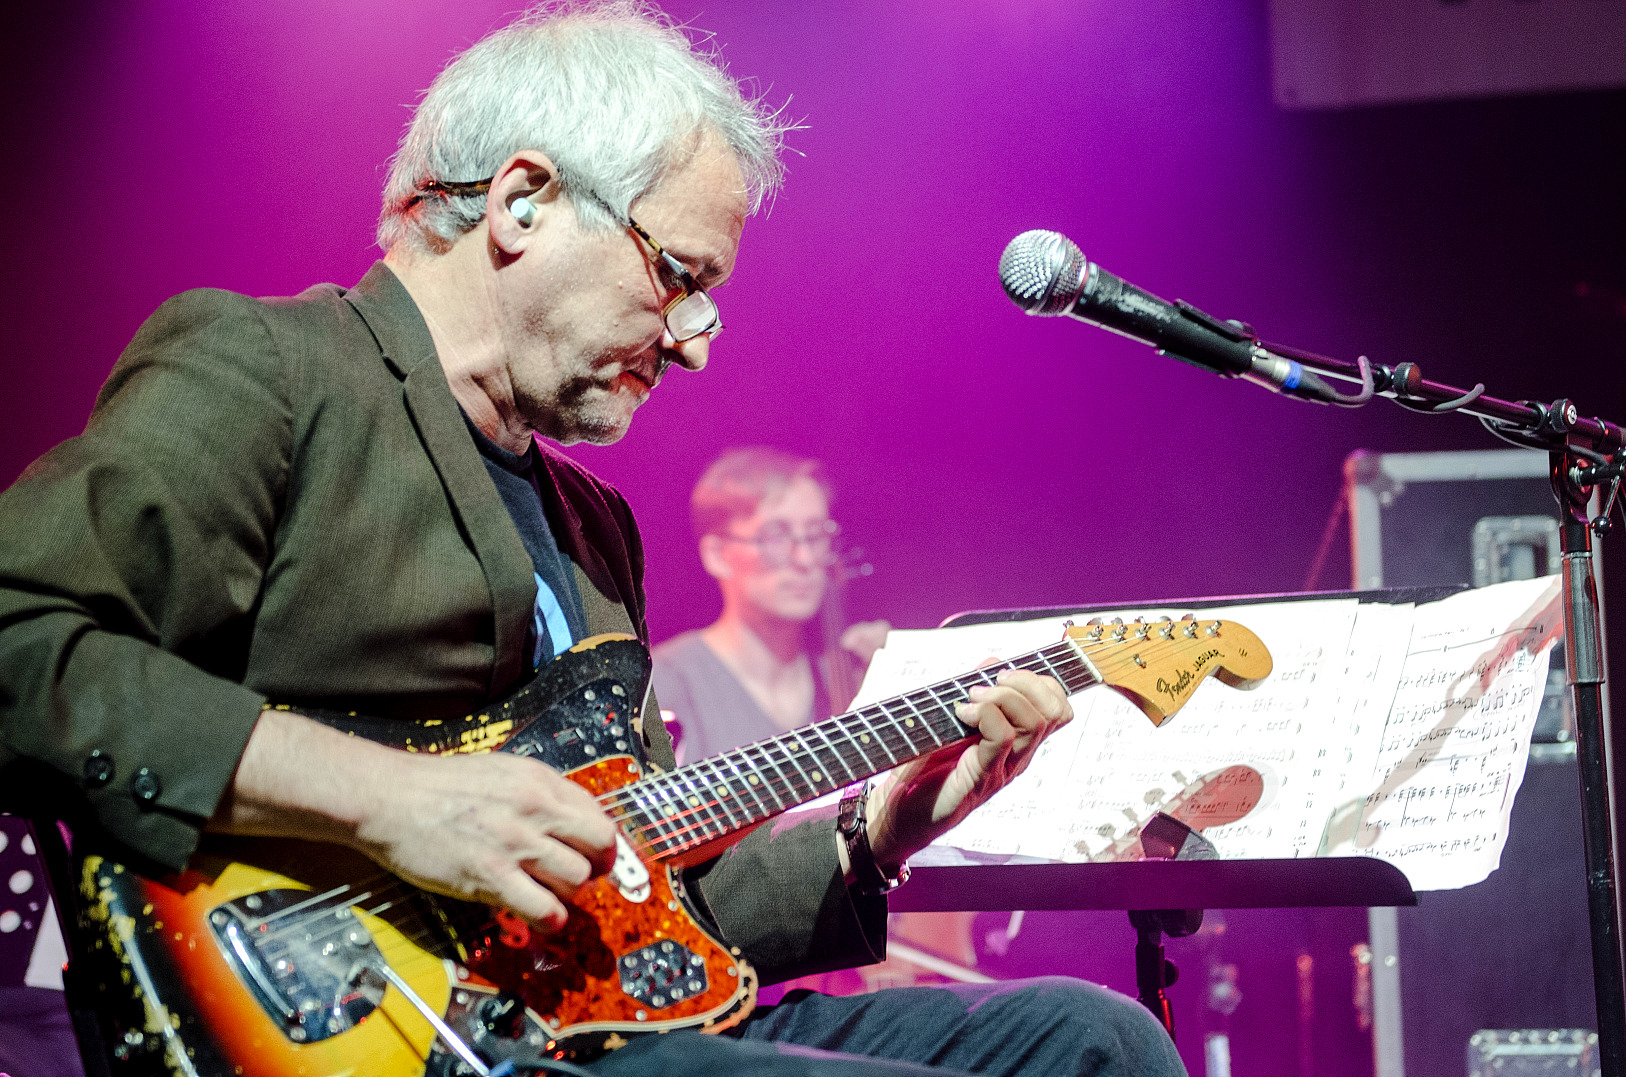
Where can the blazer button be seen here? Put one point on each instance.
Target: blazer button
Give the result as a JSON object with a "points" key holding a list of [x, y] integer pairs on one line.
{"points": [[98, 769], [145, 786]]}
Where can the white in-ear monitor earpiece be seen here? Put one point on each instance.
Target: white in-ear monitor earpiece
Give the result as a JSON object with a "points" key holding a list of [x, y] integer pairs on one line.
{"points": [[522, 210]]}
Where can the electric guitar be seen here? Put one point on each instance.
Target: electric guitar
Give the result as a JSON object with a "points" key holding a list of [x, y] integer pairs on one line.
{"points": [[287, 958]]}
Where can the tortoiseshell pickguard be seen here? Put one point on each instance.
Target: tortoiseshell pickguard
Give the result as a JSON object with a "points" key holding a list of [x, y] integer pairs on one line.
{"points": [[571, 979]]}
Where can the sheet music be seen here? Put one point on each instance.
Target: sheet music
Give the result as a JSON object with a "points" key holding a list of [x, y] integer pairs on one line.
{"points": [[1348, 748], [1452, 753], [1093, 784]]}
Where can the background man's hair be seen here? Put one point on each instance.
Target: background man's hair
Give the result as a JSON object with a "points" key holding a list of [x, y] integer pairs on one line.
{"points": [[612, 91], [740, 480]]}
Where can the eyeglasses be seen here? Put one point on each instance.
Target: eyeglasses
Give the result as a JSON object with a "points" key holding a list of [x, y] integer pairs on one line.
{"points": [[692, 314], [776, 542]]}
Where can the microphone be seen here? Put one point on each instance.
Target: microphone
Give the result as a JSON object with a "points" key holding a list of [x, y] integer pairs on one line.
{"points": [[1046, 274]]}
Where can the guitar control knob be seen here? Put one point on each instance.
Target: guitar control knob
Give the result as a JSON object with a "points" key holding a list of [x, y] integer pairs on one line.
{"points": [[503, 1015]]}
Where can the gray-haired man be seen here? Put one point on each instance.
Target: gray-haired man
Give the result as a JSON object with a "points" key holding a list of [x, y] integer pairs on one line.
{"points": [[338, 500]]}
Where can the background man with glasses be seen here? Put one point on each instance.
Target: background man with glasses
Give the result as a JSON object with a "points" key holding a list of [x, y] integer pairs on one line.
{"points": [[339, 500], [762, 522]]}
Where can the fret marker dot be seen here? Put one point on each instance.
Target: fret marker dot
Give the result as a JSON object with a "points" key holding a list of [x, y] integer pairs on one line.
{"points": [[817, 776], [863, 738], [752, 779], [909, 722], [694, 802]]}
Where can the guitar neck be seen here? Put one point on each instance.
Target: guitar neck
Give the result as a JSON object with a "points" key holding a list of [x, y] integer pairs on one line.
{"points": [[703, 802]]}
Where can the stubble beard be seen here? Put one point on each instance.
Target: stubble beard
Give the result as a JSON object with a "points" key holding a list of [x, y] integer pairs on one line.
{"points": [[581, 410]]}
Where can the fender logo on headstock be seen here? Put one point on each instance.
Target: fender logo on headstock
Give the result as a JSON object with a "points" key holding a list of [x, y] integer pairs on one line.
{"points": [[1178, 688], [1158, 665]]}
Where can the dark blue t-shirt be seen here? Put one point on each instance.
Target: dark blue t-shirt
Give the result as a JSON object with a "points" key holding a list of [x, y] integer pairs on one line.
{"points": [[558, 618]]}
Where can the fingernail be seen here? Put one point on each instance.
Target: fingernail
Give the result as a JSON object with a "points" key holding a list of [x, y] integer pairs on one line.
{"points": [[962, 711], [978, 692]]}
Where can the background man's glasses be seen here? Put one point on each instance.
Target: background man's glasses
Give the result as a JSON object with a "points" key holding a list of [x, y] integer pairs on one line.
{"points": [[776, 542], [690, 315]]}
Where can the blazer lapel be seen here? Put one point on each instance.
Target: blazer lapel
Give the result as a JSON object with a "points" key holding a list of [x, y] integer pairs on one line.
{"points": [[383, 302]]}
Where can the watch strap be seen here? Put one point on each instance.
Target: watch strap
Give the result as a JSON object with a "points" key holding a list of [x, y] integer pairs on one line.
{"points": [[869, 878]]}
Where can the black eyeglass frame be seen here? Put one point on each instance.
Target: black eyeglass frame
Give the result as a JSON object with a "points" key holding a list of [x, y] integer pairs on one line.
{"points": [[829, 532], [686, 281]]}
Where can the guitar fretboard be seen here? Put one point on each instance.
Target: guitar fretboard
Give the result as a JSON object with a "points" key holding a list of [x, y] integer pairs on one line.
{"points": [[704, 801]]}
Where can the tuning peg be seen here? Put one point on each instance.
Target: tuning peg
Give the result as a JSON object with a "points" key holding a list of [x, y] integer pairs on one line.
{"points": [[1189, 617], [1093, 621]]}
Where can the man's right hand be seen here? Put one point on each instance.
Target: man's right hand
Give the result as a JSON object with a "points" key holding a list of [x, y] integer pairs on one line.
{"points": [[499, 829]]}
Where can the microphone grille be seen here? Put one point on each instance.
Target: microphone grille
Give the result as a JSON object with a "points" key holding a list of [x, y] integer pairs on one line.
{"points": [[1043, 272]]}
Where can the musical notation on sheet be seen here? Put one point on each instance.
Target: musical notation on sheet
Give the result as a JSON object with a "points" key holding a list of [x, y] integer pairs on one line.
{"points": [[1386, 730]]}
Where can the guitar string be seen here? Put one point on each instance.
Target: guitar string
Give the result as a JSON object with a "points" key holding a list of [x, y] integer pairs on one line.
{"points": [[396, 892], [671, 842], [786, 745], [326, 910], [911, 701], [618, 797], [845, 757], [1149, 646], [420, 930]]}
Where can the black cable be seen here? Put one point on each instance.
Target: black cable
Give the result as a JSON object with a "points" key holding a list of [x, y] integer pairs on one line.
{"points": [[1368, 386], [1328, 533], [572, 1070], [1445, 405], [1497, 430], [544, 1065]]}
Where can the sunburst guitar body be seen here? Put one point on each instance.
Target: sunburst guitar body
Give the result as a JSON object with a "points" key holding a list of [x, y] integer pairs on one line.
{"points": [[285, 958]]}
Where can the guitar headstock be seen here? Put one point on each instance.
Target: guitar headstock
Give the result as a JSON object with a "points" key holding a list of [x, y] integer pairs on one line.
{"points": [[1157, 665]]}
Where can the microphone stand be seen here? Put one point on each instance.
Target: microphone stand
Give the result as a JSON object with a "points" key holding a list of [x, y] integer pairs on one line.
{"points": [[1582, 454]]}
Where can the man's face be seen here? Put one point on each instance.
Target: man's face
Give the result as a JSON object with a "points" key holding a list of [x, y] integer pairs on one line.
{"points": [[582, 321], [787, 584]]}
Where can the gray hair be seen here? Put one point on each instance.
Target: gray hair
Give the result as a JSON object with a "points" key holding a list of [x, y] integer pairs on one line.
{"points": [[613, 92]]}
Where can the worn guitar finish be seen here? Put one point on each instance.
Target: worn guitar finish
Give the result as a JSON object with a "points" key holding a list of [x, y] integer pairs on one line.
{"points": [[282, 958]]}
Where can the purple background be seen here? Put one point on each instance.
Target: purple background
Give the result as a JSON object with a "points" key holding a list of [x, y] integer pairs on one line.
{"points": [[981, 458]]}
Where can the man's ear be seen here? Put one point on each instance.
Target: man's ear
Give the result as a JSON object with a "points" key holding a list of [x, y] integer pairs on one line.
{"points": [[711, 558], [531, 176]]}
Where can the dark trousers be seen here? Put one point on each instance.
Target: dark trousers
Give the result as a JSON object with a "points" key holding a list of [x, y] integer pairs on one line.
{"points": [[1049, 1027]]}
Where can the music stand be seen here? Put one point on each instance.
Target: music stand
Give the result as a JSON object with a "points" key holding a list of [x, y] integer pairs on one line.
{"points": [[1163, 897]]}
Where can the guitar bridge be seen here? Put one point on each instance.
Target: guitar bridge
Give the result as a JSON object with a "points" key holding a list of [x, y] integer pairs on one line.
{"points": [[299, 960]]}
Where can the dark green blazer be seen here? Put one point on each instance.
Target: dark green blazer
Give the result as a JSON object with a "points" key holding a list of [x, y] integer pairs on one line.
{"points": [[278, 499]]}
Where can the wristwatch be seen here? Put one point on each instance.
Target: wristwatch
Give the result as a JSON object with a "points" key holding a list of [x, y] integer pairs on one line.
{"points": [[869, 878]]}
